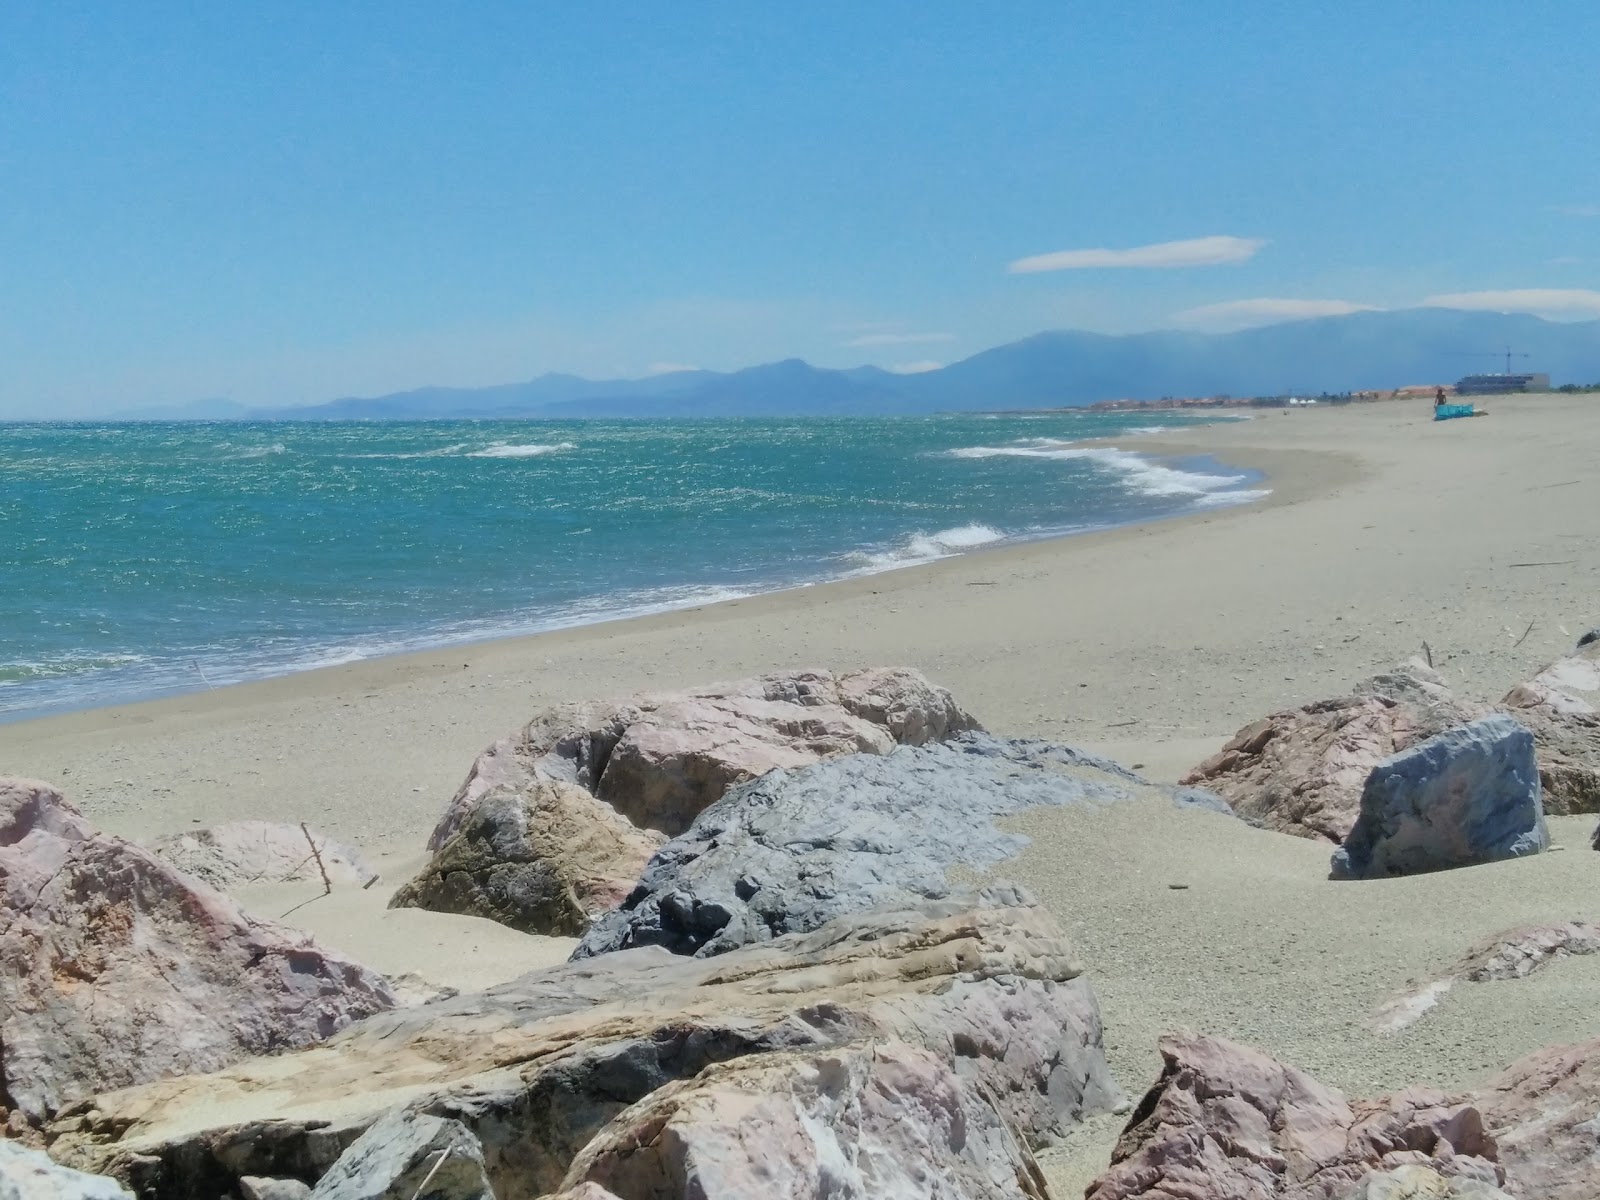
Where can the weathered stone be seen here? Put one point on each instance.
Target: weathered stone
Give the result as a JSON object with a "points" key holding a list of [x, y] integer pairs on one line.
{"points": [[536, 1068], [258, 1187], [1589, 638], [1469, 795], [794, 849], [1422, 1183], [1561, 706], [115, 968], [881, 1122], [1514, 954], [1545, 1112], [1224, 1120], [31, 1175], [407, 1156], [552, 827], [242, 852], [1301, 771]]}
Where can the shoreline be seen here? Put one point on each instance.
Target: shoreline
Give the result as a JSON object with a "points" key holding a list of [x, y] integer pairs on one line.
{"points": [[1253, 479]]}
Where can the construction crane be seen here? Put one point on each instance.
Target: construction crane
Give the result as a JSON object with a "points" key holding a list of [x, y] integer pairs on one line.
{"points": [[1507, 354]]}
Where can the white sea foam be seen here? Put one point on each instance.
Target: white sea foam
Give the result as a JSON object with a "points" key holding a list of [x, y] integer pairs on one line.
{"points": [[1237, 496], [440, 452], [263, 451], [516, 450], [1139, 473], [924, 547]]}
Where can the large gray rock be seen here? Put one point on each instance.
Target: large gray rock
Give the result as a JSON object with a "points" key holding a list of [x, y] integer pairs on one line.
{"points": [[537, 1069], [794, 849], [552, 827], [407, 1156], [1301, 770], [1467, 796], [116, 968], [30, 1175]]}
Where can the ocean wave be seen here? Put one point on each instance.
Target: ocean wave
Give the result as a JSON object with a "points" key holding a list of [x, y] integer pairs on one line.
{"points": [[516, 450], [263, 451], [924, 547], [1237, 496], [1140, 474], [440, 452]]}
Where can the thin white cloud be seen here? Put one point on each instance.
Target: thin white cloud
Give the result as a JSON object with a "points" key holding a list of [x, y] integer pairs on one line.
{"points": [[1195, 252], [899, 339], [1264, 310], [915, 368], [669, 368], [1550, 302], [1576, 210]]}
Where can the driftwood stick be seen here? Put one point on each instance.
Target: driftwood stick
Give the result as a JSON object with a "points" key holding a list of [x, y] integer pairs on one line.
{"points": [[327, 884], [428, 1178], [1524, 636], [1560, 562], [1427, 652]]}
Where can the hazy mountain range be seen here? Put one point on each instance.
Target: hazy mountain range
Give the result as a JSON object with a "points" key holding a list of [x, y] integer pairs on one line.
{"points": [[1359, 352]]}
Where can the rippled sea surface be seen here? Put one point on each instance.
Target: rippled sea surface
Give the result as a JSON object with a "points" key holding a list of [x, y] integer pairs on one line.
{"points": [[140, 559]]}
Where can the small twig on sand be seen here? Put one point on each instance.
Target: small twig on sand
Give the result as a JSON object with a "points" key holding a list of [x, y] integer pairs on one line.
{"points": [[316, 855], [1563, 562], [1427, 653], [1524, 636], [1120, 724], [203, 678], [428, 1178], [327, 884]]}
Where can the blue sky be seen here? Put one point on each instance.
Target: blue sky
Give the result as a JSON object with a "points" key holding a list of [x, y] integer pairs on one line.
{"points": [[301, 201]]}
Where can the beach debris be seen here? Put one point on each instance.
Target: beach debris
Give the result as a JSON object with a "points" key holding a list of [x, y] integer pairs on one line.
{"points": [[1301, 770], [1561, 706], [33, 1175], [260, 1187], [1526, 631], [975, 1002], [1589, 638], [240, 853], [1200, 798], [553, 826], [1227, 1120], [795, 849], [404, 1155], [1469, 795], [116, 968]]}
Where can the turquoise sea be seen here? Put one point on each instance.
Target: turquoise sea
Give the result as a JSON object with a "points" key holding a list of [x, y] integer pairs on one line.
{"points": [[142, 559]]}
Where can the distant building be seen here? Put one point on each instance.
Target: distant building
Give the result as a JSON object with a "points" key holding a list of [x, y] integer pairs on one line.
{"points": [[1500, 385]]}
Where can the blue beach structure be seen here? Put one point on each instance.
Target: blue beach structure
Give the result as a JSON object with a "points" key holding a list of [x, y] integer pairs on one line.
{"points": [[1444, 412]]}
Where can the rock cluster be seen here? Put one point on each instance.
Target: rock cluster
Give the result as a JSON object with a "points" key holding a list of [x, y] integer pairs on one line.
{"points": [[1469, 795], [1227, 1120], [1301, 771], [794, 849], [898, 1043], [115, 968], [552, 827]]}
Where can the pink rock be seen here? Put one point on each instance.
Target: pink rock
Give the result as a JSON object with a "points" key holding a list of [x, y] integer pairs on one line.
{"points": [[1561, 707], [1228, 1121], [115, 968], [552, 827], [1301, 771], [243, 852], [1545, 1113], [888, 1120]]}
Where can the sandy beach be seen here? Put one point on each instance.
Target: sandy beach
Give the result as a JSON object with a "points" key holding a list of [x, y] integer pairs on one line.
{"points": [[1151, 644]]}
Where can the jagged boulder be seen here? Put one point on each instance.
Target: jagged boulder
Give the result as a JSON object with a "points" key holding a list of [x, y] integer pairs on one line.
{"points": [[552, 827], [1416, 1182], [794, 849], [537, 1068], [407, 1155], [1224, 1120], [116, 968], [1561, 706], [243, 852], [1301, 771], [887, 1120], [31, 1175], [1545, 1111], [1470, 795]]}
